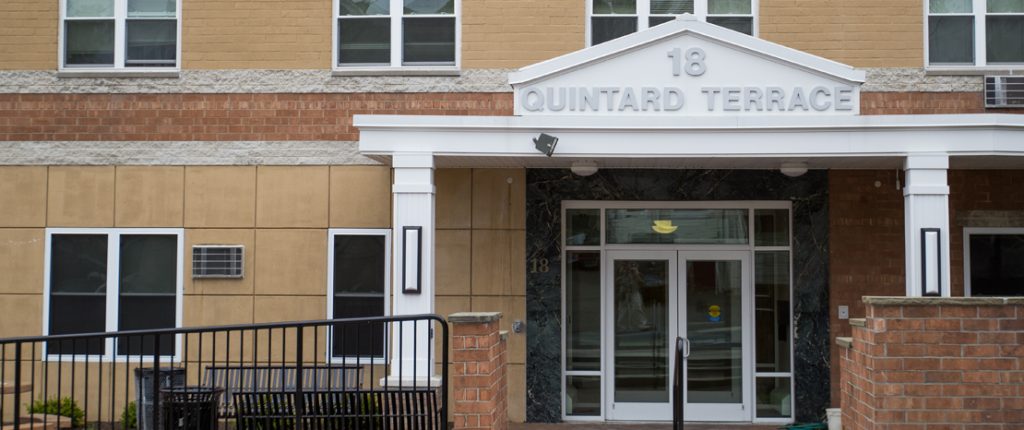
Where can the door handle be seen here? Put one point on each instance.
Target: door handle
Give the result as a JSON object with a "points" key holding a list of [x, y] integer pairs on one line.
{"points": [[686, 347]]}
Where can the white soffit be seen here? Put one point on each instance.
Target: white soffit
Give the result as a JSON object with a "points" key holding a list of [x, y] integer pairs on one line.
{"points": [[687, 67]]}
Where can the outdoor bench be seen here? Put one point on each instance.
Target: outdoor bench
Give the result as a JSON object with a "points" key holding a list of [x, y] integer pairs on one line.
{"points": [[234, 379], [391, 409]]}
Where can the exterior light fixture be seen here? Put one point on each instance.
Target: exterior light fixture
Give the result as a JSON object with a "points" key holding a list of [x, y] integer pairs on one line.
{"points": [[584, 168], [545, 143], [793, 169], [931, 263], [412, 259], [664, 226]]}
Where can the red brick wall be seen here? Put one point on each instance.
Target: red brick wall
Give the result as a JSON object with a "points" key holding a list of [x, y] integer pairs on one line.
{"points": [[220, 117], [990, 190], [865, 246], [479, 373], [953, 364]]}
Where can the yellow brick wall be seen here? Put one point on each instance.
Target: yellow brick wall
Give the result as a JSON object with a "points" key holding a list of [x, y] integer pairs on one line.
{"points": [[516, 33], [256, 34], [867, 33], [28, 34]]}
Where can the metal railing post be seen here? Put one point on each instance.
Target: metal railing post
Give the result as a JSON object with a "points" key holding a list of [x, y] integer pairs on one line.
{"points": [[157, 404], [300, 396], [17, 385], [677, 386]]}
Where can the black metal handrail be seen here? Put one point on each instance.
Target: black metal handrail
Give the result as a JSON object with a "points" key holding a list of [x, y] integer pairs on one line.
{"points": [[93, 370], [677, 385]]}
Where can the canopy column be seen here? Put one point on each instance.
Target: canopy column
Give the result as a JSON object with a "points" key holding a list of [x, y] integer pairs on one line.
{"points": [[926, 212]]}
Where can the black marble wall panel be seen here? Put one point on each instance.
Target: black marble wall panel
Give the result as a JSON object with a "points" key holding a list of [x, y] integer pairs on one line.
{"points": [[547, 188]]}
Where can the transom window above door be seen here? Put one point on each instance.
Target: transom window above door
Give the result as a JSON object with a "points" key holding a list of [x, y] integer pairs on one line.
{"points": [[120, 34], [389, 34], [610, 19]]}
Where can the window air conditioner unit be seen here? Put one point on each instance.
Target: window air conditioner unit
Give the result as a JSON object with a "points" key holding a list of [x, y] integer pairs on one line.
{"points": [[218, 261], [1004, 91]]}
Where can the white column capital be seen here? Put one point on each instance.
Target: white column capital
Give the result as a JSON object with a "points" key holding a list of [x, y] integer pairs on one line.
{"points": [[423, 160], [926, 160]]}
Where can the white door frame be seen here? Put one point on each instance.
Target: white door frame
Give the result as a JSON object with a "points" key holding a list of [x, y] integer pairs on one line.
{"points": [[742, 412]]}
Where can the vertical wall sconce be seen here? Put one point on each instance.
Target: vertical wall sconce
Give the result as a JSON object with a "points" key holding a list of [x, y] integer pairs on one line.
{"points": [[931, 263], [412, 257]]}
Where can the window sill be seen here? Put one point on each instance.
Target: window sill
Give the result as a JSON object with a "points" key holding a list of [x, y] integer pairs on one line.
{"points": [[973, 70], [397, 71], [108, 73]]}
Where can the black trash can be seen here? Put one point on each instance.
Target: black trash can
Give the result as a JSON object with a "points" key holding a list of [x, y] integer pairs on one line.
{"points": [[169, 377], [192, 408]]}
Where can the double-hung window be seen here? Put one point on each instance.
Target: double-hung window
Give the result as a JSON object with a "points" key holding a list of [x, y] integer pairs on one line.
{"points": [[120, 34], [403, 34], [104, 280], [994, 261], [358, 282], [975, 33], [610, 19]]}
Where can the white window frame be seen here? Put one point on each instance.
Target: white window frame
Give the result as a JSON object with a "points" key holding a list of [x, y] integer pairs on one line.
{"points": [[114, 289], [386, 234], [643, 15], [120, 28], [979, 12], [987, 231], [396, 14]]}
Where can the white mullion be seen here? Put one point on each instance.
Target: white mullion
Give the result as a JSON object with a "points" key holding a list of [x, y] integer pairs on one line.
{"points": [[643, 14], [700, 9], [397, 13], [113, 288], [980, 45], [120, 13], [60, 34]]}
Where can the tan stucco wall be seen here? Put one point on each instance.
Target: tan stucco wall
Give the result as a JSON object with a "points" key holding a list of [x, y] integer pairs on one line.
{"points": [[281, 215]]}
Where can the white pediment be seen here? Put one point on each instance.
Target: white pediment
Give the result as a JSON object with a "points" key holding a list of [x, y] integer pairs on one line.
{"points": [[687, 68]]}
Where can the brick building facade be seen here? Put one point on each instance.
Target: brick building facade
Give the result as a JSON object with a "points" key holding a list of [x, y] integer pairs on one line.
{"points": [[261, 135]]}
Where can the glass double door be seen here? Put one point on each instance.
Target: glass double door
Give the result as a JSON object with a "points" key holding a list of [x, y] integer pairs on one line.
{"points": [[655, 296]]}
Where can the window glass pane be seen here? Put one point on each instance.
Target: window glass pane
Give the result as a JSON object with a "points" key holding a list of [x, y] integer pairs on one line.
{"points": [[997, 264], [364, 41], [583, 227], [428, 40], [773, 398], [151, 43], [771, 227], [144, 312], [951, 39], [78, 290], [1006, 6], [950, 6], [424, 7], [160, 8], [729, 7], [686, 226], [89, 42], [358, 340], [742, 25], [90, 8], [359, 266], [772, 320], [365, 7], [583, 311], [658, 20], [149, 264], [78, 263], [614, 7], [583, 396], [603, 29], [1005, 39], [671, 7]]}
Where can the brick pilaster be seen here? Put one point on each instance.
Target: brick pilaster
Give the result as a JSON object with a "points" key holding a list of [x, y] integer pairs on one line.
{"points": [[479, 371]]}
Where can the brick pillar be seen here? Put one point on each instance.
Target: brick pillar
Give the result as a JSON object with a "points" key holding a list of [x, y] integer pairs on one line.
{"points": [[935, 363], [479, 366]]}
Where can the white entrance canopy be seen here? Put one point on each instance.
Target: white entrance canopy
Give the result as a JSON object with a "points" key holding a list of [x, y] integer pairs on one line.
{"points": [[687, 94]]}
